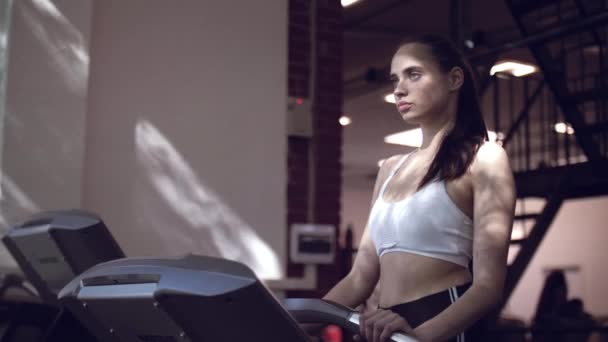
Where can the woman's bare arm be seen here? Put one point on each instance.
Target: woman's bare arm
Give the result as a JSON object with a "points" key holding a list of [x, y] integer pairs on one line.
{"points": [[494, 205], [358, 285], [360, 282]]}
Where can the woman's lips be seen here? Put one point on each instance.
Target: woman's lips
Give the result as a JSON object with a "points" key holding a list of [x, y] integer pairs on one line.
{"points": [[402, 106]]}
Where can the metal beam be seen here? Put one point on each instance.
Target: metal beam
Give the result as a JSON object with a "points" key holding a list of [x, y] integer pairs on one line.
{"points": [[593, 94], [523, 113], [596, 19], [555, 78], [596, 128], [524, 217], [542, 37], [584, 181], [531, 243], [526, 6], [581, 8]]}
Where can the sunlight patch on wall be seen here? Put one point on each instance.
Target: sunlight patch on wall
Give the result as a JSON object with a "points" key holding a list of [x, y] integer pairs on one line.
{"points": [[15, 204], [189, 198], [62, 40], [5, 25]]}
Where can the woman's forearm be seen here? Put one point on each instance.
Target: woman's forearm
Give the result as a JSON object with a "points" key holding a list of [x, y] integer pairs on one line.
{"points": [[345, 292], [350, 292], [467, 310]]}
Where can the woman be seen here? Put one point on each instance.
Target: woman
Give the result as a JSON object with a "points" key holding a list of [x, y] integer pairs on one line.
{"points": [[436, 210]]}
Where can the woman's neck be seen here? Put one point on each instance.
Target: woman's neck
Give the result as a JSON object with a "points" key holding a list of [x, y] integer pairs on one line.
{"points": [[438, 125], [432, 134]]}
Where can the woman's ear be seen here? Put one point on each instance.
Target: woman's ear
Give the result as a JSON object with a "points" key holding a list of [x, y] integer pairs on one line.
{"points": [[455, 78]]}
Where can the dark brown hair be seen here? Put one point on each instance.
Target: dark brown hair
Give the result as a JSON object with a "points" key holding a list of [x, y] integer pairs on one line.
{"points": [[459, 146]]}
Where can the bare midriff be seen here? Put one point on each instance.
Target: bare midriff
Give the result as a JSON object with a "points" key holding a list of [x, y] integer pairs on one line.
{"points": [[405, 277]]}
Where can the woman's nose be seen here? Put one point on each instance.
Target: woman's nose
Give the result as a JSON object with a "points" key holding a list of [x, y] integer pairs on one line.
{"points": [[400, 90]]}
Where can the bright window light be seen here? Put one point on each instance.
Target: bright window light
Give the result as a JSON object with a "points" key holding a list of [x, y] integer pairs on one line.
{"points": [[518, 232], [517, 69], [413, 137], [346, 3], [345, 121], [493, 136], [390, 98], [593, 49], [563, 128]]}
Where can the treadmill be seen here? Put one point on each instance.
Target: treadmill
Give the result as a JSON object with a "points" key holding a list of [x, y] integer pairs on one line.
{"points": [[52, 248], [192, 299]]}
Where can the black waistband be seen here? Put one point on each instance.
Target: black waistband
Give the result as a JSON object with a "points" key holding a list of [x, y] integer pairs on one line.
{"points": [[420, 310]]}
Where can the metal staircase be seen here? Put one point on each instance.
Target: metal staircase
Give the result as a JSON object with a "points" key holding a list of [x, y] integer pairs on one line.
{"points": [[569, 94]]}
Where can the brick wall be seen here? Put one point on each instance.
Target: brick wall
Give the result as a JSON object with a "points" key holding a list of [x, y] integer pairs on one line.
{"points": [[327, 133]]}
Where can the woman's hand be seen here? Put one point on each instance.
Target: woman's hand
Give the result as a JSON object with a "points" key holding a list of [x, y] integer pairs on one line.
{"points": [[379, 325]]}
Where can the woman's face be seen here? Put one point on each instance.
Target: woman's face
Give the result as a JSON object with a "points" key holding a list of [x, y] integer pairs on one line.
{"points": [[421, 89]]}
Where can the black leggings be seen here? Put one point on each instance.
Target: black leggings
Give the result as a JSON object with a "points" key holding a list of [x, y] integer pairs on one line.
{"points": [[418, 311]]}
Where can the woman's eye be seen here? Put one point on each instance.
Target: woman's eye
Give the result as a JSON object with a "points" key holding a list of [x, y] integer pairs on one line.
{"points": [[414, 76]]}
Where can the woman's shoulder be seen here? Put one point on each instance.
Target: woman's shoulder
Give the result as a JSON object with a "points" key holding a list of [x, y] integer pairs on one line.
{"points": [[491, 160], [387, 165], [392, 162]]}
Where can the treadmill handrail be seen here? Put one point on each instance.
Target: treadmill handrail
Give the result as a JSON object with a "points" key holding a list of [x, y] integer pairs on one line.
{"points": [[313, 310]]}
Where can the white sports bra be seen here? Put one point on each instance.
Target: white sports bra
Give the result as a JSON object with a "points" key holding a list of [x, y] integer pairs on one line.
{"points": [[427, 223]]}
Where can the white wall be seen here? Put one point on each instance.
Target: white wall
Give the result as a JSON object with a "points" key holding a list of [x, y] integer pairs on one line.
{"points": [[5, 25], [186, 141], [42, 146], [177, 139], [46, 105], [577, 238]]}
